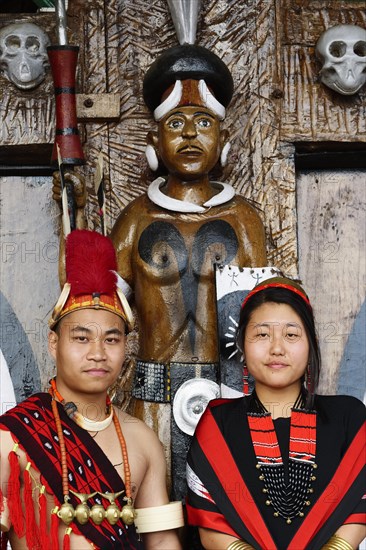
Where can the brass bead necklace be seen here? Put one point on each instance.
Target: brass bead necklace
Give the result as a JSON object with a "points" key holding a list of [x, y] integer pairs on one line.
{"points": [[82, 513]]}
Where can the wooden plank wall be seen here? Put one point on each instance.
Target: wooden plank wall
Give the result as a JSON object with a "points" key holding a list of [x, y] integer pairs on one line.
{"points": [[332, 256]]}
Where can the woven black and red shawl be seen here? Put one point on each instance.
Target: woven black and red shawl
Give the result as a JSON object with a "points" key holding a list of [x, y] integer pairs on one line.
{"points": [[32, 425]]}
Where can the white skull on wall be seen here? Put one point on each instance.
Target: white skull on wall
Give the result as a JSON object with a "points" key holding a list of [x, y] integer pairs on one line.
{"points": [[342, 50], [23, 54]]}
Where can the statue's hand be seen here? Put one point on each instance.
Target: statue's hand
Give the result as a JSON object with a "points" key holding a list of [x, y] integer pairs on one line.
{"points": [[78, 185]]}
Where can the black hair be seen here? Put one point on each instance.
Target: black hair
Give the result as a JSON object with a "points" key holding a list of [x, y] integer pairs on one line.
{"points": [[304, 311], [187, 61]]}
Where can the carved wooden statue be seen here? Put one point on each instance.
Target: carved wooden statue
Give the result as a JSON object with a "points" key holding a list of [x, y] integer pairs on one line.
{"points": [[168, 240]]}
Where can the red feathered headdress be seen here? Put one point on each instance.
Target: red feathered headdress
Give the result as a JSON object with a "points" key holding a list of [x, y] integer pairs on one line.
{"points": [[91, 279]]}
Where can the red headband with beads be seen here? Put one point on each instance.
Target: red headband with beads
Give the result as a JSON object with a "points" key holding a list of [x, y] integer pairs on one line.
{"points": [[276, 284]]}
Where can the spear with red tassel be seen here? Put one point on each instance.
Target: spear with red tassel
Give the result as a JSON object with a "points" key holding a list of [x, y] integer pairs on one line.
{"points": [[63, 61]]}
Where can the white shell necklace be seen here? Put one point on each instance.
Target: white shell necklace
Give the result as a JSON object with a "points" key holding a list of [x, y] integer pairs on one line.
{"points": [[176, 205]]}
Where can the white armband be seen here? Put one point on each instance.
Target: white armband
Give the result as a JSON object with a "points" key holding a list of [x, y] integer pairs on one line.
{"points": [[159, 518]]}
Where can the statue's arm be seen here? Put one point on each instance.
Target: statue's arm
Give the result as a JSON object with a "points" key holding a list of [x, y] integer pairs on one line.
{"points": [[252, 236], [124, 235]]}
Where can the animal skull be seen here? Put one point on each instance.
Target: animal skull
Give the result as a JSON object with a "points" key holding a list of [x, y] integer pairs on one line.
{"points": [[23, 54], [342, 50]]}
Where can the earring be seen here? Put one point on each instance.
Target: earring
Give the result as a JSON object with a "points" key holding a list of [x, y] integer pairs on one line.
{"points": [[151, 157], [224, 153], [308, 380], [245, 379]]}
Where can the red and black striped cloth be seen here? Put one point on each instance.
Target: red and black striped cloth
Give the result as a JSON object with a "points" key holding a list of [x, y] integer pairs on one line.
{"points": [[225, 493], [32, 425]]}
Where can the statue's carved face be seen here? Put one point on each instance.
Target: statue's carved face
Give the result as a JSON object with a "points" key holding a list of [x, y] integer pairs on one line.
{"points": [[189, 141], [342, 50], [23, 54]]}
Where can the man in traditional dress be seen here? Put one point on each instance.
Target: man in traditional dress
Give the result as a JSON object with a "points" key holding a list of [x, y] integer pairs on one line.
{"points": [[75, 471]]}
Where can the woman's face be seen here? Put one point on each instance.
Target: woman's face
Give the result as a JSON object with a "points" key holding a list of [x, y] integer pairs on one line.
{"points": [[276, 347]]}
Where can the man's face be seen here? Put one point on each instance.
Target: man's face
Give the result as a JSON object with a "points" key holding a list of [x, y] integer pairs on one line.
{"points": [[189, 142], [89, 350]]}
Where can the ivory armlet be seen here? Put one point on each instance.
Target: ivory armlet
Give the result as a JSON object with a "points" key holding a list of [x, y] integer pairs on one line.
{"points": [[159, 518]]}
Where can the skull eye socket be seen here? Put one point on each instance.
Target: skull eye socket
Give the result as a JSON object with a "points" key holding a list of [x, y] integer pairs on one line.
{"points": [[12, 44], [32, 44], [338, 49], [360, 48]]}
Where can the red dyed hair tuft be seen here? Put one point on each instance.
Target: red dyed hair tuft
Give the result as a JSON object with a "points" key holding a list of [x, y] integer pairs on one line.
{"points": [[90, 262]]}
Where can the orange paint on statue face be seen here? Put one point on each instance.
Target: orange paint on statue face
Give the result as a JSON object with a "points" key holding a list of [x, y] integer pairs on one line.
{"points": [[189, 142]]}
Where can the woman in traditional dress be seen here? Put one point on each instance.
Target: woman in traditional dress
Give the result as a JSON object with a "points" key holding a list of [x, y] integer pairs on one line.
{"points": [[282, 468]]}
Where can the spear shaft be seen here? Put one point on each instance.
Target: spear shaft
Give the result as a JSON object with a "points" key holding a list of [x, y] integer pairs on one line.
{"points": [[67, 150], [63, 61], [61, 22]]}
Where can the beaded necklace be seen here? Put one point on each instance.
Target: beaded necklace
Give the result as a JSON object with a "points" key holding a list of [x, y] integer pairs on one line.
{"points": [[72, 412], [82, 513], [288, 499]]}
